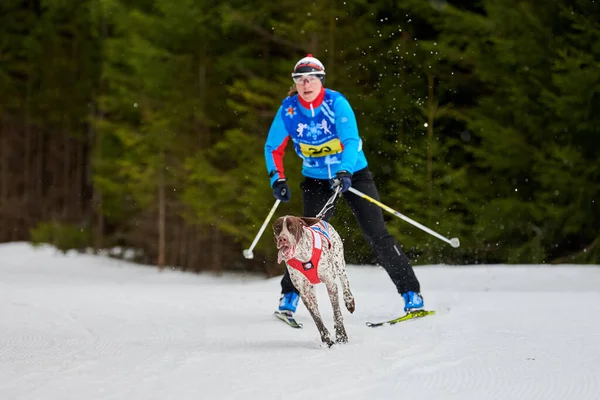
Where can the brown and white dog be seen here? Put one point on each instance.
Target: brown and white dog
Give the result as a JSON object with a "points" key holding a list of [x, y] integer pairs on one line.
{"points": [[314, 252]]}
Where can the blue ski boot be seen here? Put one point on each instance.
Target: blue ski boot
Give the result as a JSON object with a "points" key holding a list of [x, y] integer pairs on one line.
{"points": [[288, 302], [412, 301]]}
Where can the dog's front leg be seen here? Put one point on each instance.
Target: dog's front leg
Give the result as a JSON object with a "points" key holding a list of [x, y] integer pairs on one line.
{"points": [[309, 298]]}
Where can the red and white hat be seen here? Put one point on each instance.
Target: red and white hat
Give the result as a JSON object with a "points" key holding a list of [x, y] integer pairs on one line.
{"points": [[309, 65]]}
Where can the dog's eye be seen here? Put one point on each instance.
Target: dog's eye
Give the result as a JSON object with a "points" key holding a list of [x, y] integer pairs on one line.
{"points": [[292, 227], [277, 227]]}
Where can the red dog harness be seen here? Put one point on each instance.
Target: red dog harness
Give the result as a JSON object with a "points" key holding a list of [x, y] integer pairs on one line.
{"points": [[310, 268]]}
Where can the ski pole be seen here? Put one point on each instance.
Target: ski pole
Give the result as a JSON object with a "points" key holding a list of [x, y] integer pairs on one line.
{"points": [[454, 242], [248, 252]]}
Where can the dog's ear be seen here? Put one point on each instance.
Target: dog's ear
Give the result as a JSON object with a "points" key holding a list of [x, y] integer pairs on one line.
{"points": [[294, 226], [277, 228], [310, 221]]}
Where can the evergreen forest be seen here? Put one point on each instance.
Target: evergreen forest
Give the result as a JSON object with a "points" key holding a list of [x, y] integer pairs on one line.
{"points": [[140, 124]]}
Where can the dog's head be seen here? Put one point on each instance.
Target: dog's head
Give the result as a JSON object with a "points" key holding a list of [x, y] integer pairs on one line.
{"points": [[288, 231]]}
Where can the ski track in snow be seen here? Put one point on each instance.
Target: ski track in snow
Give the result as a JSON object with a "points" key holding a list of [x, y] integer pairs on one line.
{"points": [[87, 327]]}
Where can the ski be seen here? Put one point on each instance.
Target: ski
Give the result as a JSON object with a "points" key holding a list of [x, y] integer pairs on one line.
{"points": [[406, 317], [291, 321]]}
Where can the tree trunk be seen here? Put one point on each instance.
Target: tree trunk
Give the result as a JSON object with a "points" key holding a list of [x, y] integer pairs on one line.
{"points": [[314, 44], [161, 214], [217, 260], [80, 163], [94, 157], [430, 119], [202, 89], [4, 180], [331, 46], [41, 158], [64, 197], [183, 239], [28, 185], [95, 154]]}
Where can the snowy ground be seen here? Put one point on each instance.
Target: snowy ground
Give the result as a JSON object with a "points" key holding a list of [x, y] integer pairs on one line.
{"points": [[84, 327]]}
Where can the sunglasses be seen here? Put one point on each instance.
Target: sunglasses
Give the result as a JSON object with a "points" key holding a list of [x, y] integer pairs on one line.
{"points": [[309, 77]]}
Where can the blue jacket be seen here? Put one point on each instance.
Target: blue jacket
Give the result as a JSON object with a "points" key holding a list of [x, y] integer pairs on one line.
{"points": [[325, 138]]}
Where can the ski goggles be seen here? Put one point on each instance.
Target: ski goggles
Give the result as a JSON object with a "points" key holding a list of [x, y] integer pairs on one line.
{"points": [[309, 77]]}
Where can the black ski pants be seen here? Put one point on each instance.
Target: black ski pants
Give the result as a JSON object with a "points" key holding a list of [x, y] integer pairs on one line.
{"points": [[316, 192]]}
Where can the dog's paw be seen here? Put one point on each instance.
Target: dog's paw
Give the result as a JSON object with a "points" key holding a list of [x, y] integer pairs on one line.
{"points": [[341, 339]]}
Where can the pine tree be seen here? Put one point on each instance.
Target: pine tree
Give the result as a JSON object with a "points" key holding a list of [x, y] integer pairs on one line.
{"points": [[520, 147]]}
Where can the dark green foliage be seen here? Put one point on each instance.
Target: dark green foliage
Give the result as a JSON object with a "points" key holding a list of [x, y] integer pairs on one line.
{"points": [[63, 236], [479, 120]]}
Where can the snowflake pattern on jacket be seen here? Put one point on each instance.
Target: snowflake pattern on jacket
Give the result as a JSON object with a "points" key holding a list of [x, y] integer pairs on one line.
{"points": [[326, 138]]}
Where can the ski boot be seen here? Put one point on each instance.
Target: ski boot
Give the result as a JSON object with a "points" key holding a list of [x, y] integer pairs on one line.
{"points": [[288, 302], [412, 301]]}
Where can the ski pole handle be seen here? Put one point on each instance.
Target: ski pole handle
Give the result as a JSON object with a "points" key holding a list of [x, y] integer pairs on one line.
{"points": [[454, 242], [248, 252]]}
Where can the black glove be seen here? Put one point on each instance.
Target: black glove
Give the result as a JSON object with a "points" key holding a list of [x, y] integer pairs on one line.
{"points": [[281, 190], [343, 179]]}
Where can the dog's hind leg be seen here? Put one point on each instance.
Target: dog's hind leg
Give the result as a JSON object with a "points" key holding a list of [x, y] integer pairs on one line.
{"points": [[340, 265], [348, 296], [340, 331], [309, 298]]}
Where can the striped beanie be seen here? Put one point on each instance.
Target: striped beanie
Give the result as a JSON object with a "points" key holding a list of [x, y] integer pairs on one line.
{"points": [[310, 64]]}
